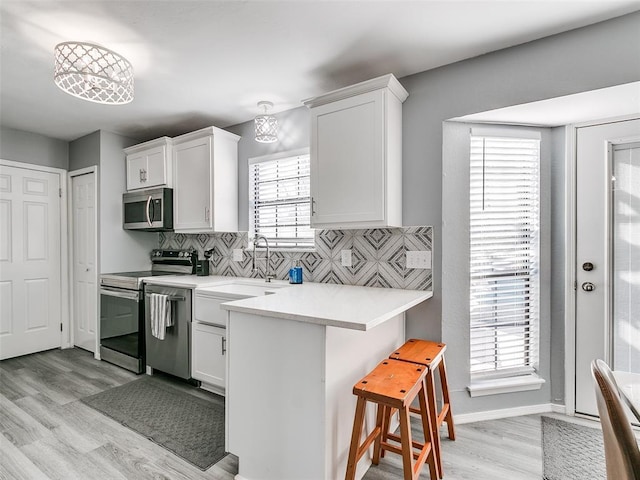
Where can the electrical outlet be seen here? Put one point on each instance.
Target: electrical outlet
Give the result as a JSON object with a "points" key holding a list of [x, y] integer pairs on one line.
{"points": [[419, 259], [238, 254], [346, 257]]}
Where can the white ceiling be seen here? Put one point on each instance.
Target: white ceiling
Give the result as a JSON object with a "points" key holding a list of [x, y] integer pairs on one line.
{"points": [[200, 63]]}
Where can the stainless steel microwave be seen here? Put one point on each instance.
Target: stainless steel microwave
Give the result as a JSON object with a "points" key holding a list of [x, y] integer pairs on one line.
{"points": [[150, 210]]}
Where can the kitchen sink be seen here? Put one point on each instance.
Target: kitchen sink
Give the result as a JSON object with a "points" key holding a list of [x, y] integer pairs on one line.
{"points": [[245, 289]]}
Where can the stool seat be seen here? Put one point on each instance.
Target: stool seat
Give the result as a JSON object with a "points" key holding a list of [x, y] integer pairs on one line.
{"points": [[393, 385], [424, 352]]}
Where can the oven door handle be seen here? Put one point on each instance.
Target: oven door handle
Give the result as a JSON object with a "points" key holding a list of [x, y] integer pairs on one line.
{"points": [[128, 295], [148, 210]]}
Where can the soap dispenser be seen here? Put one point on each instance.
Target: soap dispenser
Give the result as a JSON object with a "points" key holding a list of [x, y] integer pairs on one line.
{"points": [[295, 273]]}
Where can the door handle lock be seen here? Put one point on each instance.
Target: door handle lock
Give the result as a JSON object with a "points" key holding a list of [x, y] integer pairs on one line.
{"points": [[588, 287]]}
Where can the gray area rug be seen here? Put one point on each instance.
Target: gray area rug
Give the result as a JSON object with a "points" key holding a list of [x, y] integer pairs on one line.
{"points": [[572, 451], [190, 427]]}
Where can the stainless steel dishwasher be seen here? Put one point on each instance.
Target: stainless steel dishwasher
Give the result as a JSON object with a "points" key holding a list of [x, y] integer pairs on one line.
{"points": [[172, 354]]}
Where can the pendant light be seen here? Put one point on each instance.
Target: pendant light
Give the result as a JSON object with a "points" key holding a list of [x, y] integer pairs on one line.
{"points": [[266, 125]]}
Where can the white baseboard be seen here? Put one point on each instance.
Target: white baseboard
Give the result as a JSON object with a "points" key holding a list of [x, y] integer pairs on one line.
{"points": [[507, 412], [213, 389]]}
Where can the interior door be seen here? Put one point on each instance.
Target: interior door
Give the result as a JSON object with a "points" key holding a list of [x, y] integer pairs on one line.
{"points": [[607, 252], [85, 291], [30, 281]]}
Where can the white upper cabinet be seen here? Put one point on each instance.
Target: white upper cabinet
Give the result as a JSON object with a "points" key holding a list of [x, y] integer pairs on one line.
{"points": [[149, 164], [205, 177], [356, 155]]}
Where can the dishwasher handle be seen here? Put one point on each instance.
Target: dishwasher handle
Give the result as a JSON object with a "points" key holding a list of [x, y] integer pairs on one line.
{"points": [[172, 298]]}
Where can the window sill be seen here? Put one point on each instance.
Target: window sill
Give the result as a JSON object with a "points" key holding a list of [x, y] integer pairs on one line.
{"points": [[521, 383]]}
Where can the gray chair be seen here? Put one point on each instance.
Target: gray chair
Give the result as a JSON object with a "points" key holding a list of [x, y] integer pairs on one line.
{"points": [[620, 446]]}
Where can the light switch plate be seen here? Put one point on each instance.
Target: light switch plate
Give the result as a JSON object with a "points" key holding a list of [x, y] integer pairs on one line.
{"points": [[346, 258], [238, 254], [419, 259]]}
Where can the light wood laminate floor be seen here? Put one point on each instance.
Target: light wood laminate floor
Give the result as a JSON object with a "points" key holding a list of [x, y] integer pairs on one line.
{"points": [[47, 433]]}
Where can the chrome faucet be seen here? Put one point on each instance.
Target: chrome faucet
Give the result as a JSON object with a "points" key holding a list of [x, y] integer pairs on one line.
{"points": [[267, 269]]}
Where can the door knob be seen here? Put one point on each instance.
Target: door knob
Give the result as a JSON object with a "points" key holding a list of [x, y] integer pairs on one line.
{"points": [[588, 287]]}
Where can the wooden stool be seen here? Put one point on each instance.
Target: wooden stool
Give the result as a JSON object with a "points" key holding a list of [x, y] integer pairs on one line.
{"points": [[431, 354], [393, 385]]}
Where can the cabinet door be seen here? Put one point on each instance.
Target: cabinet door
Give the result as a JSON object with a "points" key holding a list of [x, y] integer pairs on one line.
{"points": [[347, 161], [156, 167], [208, 353], [192, 186], [136, 170]]}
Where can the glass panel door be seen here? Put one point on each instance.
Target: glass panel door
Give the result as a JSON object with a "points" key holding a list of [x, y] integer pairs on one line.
{"points": [[625, 328]]}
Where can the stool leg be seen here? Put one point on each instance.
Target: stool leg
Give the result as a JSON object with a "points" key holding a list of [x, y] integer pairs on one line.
{"points": [[445, 399], [358, 423], [381, 420], [433, 413], [386, 425], [405, 435], [428, 432]]}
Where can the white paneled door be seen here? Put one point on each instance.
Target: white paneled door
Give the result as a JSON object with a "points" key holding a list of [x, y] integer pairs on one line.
{"points": [[607, 252], [85, 291], [30, 280]]}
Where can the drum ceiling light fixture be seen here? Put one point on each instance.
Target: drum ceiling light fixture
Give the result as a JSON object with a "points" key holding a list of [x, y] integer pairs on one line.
{"points": [[266, 124], [93, 73]]}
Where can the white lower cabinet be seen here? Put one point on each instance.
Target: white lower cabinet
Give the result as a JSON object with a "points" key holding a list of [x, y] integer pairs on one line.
{"points": [[208, 355], [209, 342]]}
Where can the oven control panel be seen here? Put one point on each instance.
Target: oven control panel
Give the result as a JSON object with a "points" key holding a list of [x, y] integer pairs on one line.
{"points": [[174, 257], [158, 254]]}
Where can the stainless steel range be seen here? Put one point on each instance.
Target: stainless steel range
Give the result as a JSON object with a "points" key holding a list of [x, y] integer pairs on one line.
{"points": [[122, 330]]}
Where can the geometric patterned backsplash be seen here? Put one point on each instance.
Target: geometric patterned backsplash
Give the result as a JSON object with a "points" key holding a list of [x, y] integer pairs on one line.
{"points": [[378, 256]]}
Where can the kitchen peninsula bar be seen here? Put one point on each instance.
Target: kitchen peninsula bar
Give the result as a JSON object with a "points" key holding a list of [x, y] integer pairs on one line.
{"points": [[293, 360]]}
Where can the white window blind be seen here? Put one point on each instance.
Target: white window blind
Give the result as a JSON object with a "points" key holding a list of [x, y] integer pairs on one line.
{"points": [[280, 200], [504, 255]]}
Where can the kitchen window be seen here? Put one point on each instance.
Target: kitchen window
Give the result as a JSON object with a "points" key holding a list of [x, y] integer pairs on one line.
{"points": [[280, 199], [504, 234]]}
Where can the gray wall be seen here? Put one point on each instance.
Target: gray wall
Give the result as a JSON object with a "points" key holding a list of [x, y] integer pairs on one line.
{"points": [[580, 60], [27, 147], [84, 151], [120, 250], [293, 133], [558, 258], [576, 61]]}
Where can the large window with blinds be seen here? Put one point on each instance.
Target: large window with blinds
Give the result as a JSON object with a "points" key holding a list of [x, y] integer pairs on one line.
{"points": [[504, 254], [280, 199]]}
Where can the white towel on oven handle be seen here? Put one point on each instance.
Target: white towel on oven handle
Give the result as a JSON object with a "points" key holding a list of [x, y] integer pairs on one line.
{"points": [[160, 314]]}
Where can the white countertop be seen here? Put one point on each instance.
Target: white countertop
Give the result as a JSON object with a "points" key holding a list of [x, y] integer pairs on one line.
{"points": [[345, 306]]}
